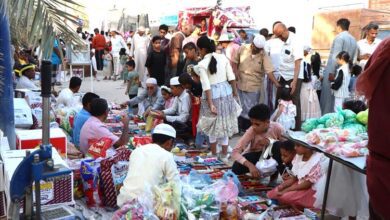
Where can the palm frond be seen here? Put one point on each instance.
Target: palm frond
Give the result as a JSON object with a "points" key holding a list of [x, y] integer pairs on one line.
{"points": [[31, 20]]}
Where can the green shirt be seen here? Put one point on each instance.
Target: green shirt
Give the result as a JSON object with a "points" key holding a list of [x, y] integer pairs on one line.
{"points": [[133, 80]]}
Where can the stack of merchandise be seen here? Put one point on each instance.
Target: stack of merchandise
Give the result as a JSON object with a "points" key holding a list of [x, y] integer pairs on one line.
{"points": [[345, 119], [340, 142], [343, 133]]}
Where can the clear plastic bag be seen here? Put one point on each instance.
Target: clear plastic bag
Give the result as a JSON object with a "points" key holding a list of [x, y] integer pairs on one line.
{"points": [[167, 201]]}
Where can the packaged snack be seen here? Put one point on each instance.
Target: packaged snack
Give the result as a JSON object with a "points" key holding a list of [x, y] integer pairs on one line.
{"points": [[99, 148], [90, 174], [119, 172]]}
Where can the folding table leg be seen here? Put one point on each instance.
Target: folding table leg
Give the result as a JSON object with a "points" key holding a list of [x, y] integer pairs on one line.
{"points": [[324, 201]]}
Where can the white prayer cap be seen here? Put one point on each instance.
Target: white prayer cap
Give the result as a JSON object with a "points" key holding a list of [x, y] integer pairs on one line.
{"points": [[307, 48], [166, 88], [259, 41], [165, 129], [141, 29], [226, 37], [174, 81], [151, 81]]}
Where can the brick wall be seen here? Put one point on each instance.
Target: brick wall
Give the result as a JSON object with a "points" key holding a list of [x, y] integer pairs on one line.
{"points": [[324, 25], [379, 5]]}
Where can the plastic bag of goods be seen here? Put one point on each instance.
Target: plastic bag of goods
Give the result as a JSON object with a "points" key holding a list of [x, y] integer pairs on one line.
{"points": [[355, 128], [167, 200], [349, 116], [362, 117], [333, 120], [310, 124]]}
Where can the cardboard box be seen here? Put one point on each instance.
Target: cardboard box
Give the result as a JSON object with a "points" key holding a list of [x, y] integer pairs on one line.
{"points": [[30, 139], [23, 114], [52, 193]]}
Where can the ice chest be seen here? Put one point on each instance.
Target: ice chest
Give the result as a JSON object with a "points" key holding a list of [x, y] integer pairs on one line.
{"points": [[23, 114], [30, 139]]}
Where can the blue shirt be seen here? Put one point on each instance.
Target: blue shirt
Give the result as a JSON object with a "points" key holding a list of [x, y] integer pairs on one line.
{"points": [[78, 123], [55, 59]]}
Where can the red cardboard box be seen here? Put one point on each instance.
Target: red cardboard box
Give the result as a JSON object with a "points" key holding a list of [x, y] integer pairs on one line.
{"points": [[30, 139]]}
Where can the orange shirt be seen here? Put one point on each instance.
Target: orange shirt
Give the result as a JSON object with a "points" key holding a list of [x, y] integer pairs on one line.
{"points": [[99, 42]]}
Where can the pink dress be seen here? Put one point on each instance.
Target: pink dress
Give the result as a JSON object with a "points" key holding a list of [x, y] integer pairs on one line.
{"points": [[312, 170], [168, 103]]}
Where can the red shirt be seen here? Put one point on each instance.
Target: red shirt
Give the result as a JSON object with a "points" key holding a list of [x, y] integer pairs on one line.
{"points": [[374, 83], [99, 42]]}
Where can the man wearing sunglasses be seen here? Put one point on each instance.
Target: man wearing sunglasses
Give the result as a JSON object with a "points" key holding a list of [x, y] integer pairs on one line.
{"points": [[151, 98]]}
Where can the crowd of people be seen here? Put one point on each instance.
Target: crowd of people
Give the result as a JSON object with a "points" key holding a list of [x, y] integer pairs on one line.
{"points": [[207, 90]]}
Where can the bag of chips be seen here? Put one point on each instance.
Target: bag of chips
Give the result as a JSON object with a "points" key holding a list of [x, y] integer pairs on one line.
{"points": [[98, 148]]}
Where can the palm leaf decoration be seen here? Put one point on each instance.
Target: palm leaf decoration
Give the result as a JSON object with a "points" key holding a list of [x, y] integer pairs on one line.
{"points": [[31, 20]]}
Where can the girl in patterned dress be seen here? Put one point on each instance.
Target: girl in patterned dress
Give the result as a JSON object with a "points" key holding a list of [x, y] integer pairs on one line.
{"points": [[303, 189]]}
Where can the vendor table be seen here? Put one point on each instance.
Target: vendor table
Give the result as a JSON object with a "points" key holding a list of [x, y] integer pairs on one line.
{"points": [[331, 159]]}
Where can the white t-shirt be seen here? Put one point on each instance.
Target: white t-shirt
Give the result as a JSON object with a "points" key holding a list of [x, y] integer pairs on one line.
{"points": [[150, 165], [26, 83], [117, 43], [66, 98], [366, 48], [291, 51]]}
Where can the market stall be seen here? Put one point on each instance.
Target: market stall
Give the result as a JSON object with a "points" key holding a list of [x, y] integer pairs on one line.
{"points": [[341, 137]]}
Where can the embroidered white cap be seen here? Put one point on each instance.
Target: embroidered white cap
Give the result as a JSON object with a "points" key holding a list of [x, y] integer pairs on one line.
{"points": [[174, 81], [259, 41], [151, 81], [166, 88], [165, 129]]}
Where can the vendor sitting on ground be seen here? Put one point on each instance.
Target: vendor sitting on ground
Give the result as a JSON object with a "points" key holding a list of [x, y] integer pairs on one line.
{"points": [[151, 98], [66, 97], [250, 146], [179, 114], [27, 75], [95, 129], [82, 116], [150, 165]]}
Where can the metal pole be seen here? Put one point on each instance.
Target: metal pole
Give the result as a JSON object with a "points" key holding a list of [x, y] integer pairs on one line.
{"points": [[46, 94], [325, 199]]}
